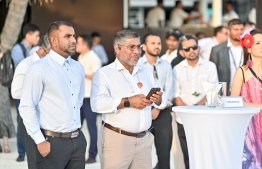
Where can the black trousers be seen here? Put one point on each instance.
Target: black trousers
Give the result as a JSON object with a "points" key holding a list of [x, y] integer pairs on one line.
{"points": [[162, 130], [30, 146], [183, 143], [66, 153]]}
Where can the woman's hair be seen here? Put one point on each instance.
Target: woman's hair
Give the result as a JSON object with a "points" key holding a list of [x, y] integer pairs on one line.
{"points": [[246, 54]]}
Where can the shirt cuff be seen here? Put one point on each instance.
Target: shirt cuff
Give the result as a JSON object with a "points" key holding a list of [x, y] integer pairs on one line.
{"points": [[162, 105], [38, 137], [116, 103]]}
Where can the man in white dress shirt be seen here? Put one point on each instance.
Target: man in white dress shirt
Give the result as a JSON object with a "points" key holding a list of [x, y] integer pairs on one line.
{"points": [[119, 92], [156, 16], [52, 95], [206, 44], [91, 63], [162, 72], [16, 89], [230, 13], [188, 77], [178, 16]]}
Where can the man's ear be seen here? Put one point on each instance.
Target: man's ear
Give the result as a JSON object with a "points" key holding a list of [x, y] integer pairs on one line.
{"points": [[117, 48], [181, 52], [144, 48], [54, 41]]}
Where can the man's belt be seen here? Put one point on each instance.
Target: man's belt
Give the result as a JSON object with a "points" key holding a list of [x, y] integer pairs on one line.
{"points": [[118, 130], [72, 134]]}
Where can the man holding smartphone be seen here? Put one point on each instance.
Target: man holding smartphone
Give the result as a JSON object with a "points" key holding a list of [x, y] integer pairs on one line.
{"points": [[119, 92], [162, 119]]}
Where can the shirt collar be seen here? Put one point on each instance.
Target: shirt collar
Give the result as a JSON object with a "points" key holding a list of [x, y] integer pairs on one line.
{"points": [[119, 66], [35, 57], [174, 52], [59, 59], [144, 59], [229, 44], [200, 62], [25, 45]]}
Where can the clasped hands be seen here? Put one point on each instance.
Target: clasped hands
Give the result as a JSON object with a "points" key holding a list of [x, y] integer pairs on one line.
{"points": [[139, 101]]}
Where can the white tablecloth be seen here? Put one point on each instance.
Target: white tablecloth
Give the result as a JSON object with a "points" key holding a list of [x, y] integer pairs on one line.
{"points": [[215, 136]]}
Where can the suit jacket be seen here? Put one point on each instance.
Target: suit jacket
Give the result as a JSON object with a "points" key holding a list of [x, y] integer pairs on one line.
{"points": [[220, 56]]}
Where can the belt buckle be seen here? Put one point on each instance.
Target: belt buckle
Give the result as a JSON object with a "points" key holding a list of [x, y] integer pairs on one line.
{"points": [[140, 135], [74, 134]]}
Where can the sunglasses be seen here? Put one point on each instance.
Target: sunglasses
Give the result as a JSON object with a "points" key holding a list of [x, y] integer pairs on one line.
{"points": [[187, 49]]}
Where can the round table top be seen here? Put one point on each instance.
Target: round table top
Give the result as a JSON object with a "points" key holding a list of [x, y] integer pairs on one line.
{"points": [[215, 110]]}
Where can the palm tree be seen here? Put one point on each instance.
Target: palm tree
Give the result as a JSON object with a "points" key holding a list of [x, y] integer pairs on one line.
{"points": [[13, 22]]}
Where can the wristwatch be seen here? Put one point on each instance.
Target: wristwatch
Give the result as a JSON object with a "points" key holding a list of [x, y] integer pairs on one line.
{"points": [[126, 102]]}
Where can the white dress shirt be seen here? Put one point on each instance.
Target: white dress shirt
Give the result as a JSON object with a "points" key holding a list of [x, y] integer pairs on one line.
{"points": [[164, 73], [113, 82], [177, 18], [206, 45], [188, 79], [229, 16], [155, 15], [91, 63], [169, 56], [236, 57], [52, 95], [19, 75]]}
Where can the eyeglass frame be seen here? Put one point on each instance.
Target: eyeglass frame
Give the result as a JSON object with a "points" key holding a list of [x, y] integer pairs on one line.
{"points": [[131, 47], [187, 49]]}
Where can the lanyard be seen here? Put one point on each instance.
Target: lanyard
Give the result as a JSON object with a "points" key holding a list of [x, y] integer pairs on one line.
{"points": [[233, 58]]}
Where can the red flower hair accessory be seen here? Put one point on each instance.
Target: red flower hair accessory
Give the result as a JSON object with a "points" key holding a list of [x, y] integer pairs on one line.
{"points": [[246, 39]]}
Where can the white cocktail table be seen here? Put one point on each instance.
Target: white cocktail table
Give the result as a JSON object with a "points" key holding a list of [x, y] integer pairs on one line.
{"points": [[215, 136]]}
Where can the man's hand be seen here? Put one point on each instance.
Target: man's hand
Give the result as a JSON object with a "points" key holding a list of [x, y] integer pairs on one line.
{"points": [[157, 98], [155, 113], [44, 148], [139, 101]]}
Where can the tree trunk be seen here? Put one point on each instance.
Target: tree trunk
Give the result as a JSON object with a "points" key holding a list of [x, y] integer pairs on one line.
{"points": [[13, 23]]}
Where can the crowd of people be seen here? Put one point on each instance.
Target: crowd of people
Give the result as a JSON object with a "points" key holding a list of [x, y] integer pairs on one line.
{"points": [[156, 17], [54, 93]]}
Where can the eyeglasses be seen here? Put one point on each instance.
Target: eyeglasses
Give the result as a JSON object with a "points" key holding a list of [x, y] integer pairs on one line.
{"points": [[132, 47], [187, 49]]}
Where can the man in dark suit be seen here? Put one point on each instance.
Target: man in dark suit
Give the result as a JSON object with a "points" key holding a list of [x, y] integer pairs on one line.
{"points": [[228, 56]]}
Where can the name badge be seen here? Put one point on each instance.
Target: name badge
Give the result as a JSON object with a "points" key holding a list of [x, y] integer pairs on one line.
{"points": [[233, 101]]}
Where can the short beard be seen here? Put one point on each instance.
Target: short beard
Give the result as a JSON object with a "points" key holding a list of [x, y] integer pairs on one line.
{"points": [[152, 54], [70, 53]]}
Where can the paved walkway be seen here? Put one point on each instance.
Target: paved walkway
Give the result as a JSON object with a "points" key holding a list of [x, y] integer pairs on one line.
{"points": [[8, 161]]}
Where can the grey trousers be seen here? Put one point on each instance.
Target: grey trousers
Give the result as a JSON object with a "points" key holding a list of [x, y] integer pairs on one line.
{"points": [[66, 153], [30, 146]]}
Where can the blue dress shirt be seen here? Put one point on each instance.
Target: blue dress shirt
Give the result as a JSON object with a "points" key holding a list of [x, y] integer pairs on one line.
{"points": [[165, 76], [52, 95], [17, 53]]}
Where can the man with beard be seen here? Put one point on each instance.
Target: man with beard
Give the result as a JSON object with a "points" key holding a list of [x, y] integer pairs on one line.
{"points": [[228, 56], [52, 95], [119, 92], [188, 77], [162, 119]]}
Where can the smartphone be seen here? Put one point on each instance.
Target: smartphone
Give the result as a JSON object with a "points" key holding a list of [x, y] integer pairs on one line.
{"points": [[152, 91]]}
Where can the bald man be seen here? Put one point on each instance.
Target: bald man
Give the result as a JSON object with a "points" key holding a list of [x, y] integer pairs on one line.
{"points": [[52, 95]]}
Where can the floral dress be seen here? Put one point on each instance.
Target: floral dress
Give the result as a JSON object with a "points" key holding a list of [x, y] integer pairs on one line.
{"points": [[252, 155]]}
